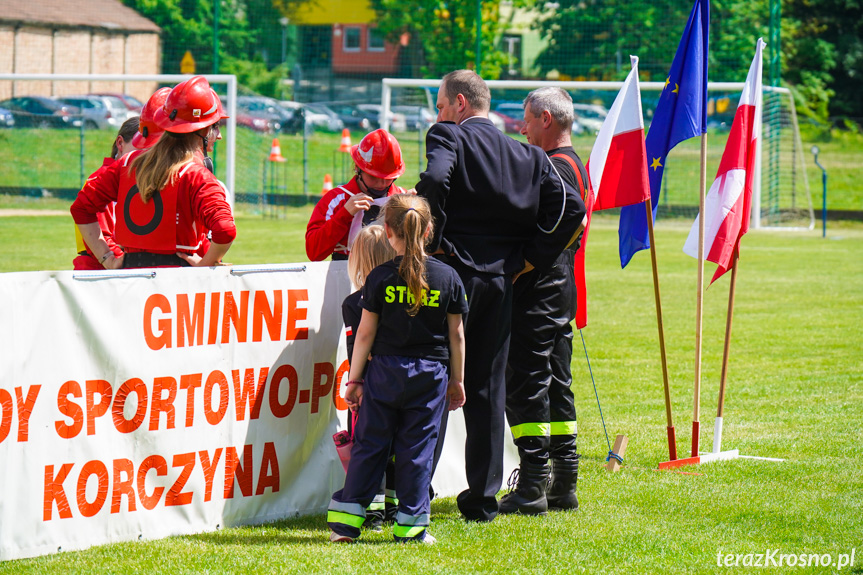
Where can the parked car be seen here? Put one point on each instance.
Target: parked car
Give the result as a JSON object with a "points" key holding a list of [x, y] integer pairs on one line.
{"points": [[320, 116], [417, 117], [590, 116], [398, 122], [132, 103], [317, 116], [497, 120], [513, 116], [264, 114], [42, 112], [103, 112], [351, 117], [7, 120]]}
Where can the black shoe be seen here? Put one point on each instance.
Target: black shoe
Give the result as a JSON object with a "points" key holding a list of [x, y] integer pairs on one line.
{"points": [[563, 483], [473, 508], [527, 486]]}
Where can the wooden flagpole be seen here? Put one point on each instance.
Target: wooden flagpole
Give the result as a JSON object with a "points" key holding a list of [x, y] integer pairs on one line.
{"points": [[699, 301], [717, 428], [672, 440]]}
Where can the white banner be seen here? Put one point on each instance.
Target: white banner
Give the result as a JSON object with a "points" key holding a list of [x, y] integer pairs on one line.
{"points": [[146, 403]]}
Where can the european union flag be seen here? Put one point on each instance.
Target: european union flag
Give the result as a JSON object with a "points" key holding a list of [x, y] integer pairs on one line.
{"points": [[680, 115]]}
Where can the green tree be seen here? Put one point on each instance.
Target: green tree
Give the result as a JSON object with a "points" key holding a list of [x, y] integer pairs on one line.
{"points": [[443, 34], [825, 59]]}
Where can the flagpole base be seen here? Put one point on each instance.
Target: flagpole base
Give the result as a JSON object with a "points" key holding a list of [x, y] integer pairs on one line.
{"points": [[672, 443], [696, 432], [712, 457], [717, 435]]}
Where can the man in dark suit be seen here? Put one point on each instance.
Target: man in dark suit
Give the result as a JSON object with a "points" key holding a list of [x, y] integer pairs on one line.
{"points": [[500, 208]]}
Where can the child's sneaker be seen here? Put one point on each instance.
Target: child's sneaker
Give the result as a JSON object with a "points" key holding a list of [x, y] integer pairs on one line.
{"points": [[428, 539], [336, 538]]}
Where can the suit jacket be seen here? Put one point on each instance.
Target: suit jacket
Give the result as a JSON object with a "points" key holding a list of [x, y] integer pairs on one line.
{"points": [[496, 202]]}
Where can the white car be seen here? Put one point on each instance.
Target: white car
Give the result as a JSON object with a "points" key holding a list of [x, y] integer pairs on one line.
{"points": [[102, 112], [398, 122], [590, 116]]}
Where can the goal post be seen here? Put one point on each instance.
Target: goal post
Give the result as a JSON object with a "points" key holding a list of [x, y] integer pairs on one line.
{"points": [[229, 80], [781, 170]]}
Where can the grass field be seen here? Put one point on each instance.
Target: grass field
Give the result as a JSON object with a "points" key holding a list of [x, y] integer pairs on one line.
{"points": [[795, 392], [29, 162]]}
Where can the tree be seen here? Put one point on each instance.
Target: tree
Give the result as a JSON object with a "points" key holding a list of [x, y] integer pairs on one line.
{"points": [[825, 59], [443, 33]]}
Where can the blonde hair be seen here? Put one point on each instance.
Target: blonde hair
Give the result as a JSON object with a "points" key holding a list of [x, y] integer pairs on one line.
{"points": [[409, 218], [371, 248], [159, 165]]}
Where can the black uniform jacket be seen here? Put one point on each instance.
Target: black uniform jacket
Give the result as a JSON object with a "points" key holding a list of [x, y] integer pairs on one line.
{"points": [[496, 202]]}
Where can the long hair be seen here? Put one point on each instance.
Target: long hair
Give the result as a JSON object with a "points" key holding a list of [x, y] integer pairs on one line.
{"points": [[409, 218], [159, 165], [127, 132], [371, 248]]}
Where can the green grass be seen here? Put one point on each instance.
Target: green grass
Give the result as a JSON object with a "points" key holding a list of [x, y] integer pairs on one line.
{"points": [[52, 158], [794, 392]]}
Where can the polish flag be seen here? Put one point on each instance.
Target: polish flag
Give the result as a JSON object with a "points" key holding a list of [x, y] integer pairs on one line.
{"points": [[729, 200], [617, 170]]}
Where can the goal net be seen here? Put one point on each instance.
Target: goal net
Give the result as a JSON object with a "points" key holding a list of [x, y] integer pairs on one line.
{"points": [[781, 198]]}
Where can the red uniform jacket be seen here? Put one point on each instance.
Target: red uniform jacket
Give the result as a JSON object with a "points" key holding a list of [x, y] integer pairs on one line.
{"points": [[176, 221]]}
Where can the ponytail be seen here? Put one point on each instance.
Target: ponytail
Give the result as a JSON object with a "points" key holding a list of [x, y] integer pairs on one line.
{"points": [[409, 217], [159, 165]]}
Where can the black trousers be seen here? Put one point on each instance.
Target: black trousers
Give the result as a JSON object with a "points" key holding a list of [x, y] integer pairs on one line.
{"points": [[487, 330], [540, 406]]}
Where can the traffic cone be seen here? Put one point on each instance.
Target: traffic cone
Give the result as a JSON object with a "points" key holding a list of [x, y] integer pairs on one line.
{"points": [[328, 184], [276, 152], [346, 141]]}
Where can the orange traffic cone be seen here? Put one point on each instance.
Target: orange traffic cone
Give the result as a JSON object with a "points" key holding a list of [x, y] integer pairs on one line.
{"points": [[346, 141], [276, 152], [328, 184]]}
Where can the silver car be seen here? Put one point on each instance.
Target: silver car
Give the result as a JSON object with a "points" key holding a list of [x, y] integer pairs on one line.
{"points": [[100, 112]]}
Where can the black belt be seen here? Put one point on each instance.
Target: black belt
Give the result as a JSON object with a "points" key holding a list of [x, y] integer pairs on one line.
{"points": [[151, 260], [337, 257]]}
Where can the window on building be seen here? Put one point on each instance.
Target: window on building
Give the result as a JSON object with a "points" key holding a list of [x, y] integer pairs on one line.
{"points": [[352, 39], [512, 47], [376, 40]]}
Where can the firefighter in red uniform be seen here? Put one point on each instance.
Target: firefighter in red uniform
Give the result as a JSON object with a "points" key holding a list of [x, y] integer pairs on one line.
{"points": [[135, 134], [342, 211], [166, 196]]}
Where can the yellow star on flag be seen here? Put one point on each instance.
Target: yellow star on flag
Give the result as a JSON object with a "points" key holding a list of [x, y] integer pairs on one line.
{"points": [[676, 89], [655, 164], [667, 81]]}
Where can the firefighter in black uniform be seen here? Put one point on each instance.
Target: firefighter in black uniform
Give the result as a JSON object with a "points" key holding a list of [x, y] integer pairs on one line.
{"points": [[539, 404], [499, 207]]}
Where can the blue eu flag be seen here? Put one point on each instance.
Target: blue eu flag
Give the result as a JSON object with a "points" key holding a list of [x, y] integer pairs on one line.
{"points": [[680, 115]]}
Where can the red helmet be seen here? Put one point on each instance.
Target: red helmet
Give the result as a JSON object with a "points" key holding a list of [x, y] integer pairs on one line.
{"points": [[148, 128], [379, 155], [190, 106]]}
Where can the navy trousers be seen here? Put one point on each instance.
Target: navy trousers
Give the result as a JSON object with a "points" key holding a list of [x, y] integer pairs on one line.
{"points": [[540, 406], [403, 398], [486, 330]]}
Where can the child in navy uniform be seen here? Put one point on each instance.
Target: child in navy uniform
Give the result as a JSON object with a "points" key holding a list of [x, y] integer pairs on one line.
{"points": [[412, 325], [371, 248]]}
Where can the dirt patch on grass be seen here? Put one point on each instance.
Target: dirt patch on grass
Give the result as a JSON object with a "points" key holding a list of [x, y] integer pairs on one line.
{"points": [[13, 212]]}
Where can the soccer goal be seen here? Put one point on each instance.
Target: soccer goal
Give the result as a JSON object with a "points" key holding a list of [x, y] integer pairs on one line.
{"points": [[781, 198], [79, 142]]}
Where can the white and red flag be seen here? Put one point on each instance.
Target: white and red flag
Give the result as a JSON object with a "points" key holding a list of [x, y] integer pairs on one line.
{"points": [[617, 169], [729, 200]]}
